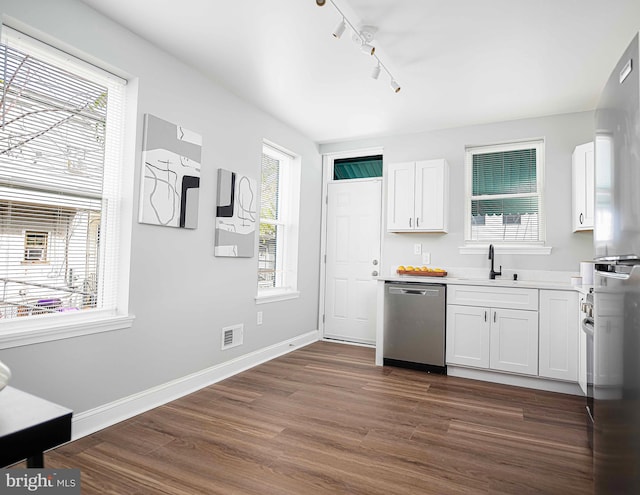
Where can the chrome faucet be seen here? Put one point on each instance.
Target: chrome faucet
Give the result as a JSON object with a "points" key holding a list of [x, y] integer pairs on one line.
{"points": [[493, 273]]}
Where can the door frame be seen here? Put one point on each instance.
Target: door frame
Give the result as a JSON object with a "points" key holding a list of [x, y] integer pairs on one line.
{"points": [[327, 177]]}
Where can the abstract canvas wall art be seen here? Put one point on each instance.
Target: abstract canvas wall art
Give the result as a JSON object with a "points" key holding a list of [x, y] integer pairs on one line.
{"points": [[235, 215], [170, 183]]}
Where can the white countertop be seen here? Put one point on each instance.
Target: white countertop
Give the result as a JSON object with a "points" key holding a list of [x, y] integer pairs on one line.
{"points": [[498, 282]]}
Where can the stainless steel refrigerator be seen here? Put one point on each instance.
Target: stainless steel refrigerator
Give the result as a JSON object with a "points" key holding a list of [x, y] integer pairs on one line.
{"points": [[616, 337]]}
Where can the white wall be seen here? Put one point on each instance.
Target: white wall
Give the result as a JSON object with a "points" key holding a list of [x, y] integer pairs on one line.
{"points": [[180, 294], [561, 133]]}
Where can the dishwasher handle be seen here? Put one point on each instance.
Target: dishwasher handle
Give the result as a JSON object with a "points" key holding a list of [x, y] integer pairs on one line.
{"points": [[414, 292]]}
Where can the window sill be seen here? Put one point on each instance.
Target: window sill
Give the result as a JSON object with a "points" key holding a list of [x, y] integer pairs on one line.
{"points": [[35, 331], [276, 295], [506, 249]]}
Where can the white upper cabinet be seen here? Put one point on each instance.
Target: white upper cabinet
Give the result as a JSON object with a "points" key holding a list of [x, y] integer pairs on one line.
{"points": [[417, 196], [583, 187]]}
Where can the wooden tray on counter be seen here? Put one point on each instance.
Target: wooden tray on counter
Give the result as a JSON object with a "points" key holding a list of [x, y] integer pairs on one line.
{"points": [[422, 274]]}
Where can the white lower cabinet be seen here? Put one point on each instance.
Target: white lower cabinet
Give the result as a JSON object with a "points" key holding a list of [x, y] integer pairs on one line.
{"points": [[493, 336], [559, 334], [496, 338], [468, 336], [524, 331], [514, 341]]}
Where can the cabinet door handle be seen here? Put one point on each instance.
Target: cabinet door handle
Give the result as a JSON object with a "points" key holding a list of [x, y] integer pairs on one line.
{"points": [[581, 218], [417, 221], [485, 315], [410, 221], [494, 316]]}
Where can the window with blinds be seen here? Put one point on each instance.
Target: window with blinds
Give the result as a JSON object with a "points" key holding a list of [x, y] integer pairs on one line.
{"points": [[61, 128], [277, 251], [357, 168], [504, 200]]}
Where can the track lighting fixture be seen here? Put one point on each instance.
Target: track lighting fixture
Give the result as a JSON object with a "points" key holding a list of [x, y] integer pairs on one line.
{"points": [[337, 32], [363, 37], [367, 48]]}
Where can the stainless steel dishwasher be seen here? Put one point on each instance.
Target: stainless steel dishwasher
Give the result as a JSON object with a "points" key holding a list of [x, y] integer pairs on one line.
{"points": [[414, 325]]}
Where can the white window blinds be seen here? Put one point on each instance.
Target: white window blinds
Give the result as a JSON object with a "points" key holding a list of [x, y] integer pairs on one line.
{"points": [[61, 124], [272, 225]]}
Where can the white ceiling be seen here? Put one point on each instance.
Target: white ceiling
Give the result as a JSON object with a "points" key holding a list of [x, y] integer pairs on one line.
{"points": [[459, 62]]}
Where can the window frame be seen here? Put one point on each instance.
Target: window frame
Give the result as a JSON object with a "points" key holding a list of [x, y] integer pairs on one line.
{"points": [[33, 330], [32, 234], [506, 247], [288, 221]]}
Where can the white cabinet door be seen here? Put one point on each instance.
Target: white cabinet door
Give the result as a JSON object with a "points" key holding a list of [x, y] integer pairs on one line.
{"points": [[514, 341], [431, 196], [468, 336], [583, 187], [400, 196], [559, 334]]}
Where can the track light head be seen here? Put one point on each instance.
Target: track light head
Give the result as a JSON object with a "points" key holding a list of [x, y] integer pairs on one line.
{"points": [[375, 73], [337, 32], [320, 3], [395, 86], [367, 48]]}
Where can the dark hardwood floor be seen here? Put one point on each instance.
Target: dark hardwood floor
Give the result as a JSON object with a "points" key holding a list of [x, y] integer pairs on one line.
{"points": [[325, 420]]}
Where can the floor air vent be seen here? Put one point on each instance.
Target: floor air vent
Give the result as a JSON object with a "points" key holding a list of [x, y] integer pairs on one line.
{"points": [[232, 336]]}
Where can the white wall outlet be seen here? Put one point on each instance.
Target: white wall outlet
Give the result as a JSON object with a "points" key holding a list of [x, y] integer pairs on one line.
{"points": [[259, 318], [426, 258], [417, 249]]}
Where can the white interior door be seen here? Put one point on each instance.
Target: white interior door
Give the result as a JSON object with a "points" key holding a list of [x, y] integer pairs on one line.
{"points": [[353, 260]]}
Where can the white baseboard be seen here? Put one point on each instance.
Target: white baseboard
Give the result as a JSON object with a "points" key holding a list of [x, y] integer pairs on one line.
{"points": [[90, 421], [517, 380], [348, 342]]}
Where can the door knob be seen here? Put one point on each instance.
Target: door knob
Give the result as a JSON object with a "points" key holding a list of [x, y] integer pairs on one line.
{"points": [[374, 273], [375, 262]]}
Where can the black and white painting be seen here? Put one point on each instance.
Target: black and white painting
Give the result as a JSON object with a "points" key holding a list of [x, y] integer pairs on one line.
{"points": [[170, 182], [235, 215]]}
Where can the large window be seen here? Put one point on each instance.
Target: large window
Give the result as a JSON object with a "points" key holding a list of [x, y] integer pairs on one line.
{"points": [[279, 205], [504, 193], [61, 123]]}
